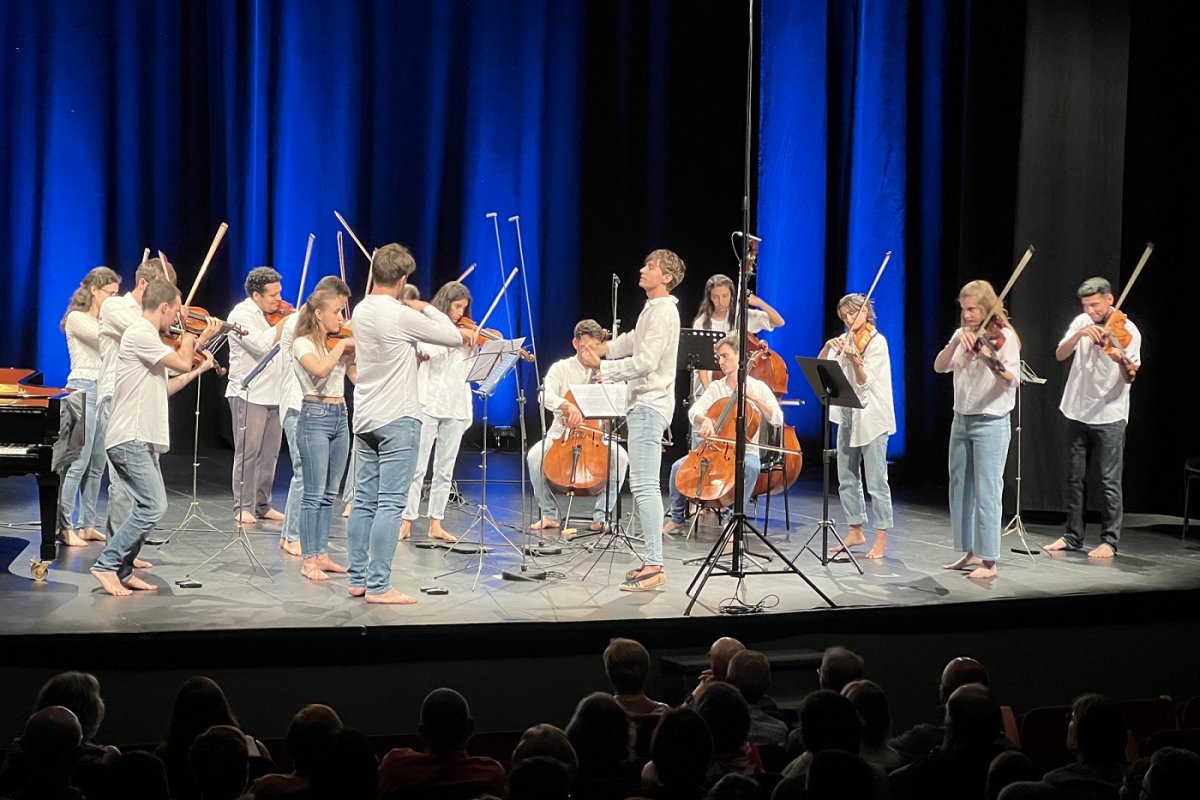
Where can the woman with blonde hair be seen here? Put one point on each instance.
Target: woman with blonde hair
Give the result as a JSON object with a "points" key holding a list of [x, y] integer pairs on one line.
{"points": [[987, 365]]}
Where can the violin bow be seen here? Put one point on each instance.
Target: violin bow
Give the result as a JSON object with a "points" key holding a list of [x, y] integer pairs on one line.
{"points": [[1136, 271], [212, 250], [145, 255], [342, 268], [362, 248], [304, 272], [496, 302], [466, 272], [1008, 286]]}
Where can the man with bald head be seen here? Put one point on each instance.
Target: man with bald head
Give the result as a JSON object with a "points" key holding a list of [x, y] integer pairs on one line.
{"points": [[719, 654], [918, 741], [750, 672], [52, 742], [305, 737]]}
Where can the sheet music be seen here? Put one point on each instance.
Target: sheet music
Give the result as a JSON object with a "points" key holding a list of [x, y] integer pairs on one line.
{"points": [[601, 400]]}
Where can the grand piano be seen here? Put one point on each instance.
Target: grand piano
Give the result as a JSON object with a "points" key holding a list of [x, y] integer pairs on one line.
{"points": [[29, 421]]}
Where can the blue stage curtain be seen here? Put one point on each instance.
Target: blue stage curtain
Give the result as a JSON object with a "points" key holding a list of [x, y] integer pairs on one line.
{"points": [[133, 124]]}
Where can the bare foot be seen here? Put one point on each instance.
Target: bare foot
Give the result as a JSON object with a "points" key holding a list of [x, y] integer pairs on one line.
{"points": [[596, 526], [880, 546], [141, 563], [68, 537], [968, 560], [273, 515], [346, 511], [92, 535], [356, 591], [1103, 551], [982, 572], [405, 529], [111, 584], [1058, 544], [291, 548], [310, 570], [329, 565], [391, 597], [671, 526], [854, 537], [139, 585], [437, 533], [544, 525], [244, 518]]}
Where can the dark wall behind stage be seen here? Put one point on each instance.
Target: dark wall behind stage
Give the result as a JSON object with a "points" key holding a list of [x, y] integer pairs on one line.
{"points": [[951, 133]]}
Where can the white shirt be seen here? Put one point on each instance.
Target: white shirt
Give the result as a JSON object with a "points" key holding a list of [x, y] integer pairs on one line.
{"points": [[755, 389], [878, 414], [245, 353], [978, 390], [139, 400], [332, 385], [290, 393], [645, 357], [559, 379], [442, 387], [83, 345], [756, 320], [386, 333], [1096, 392], [116, 314]]}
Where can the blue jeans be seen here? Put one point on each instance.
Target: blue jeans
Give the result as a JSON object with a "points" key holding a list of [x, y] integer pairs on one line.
{"points": [[85, 474], [137, 465], [645, 427], [324, 445], [120, 503], [1104, 446], [978, 451], [679, 503], [387, 459], [872, 456], [291, 511], [545, 495]]}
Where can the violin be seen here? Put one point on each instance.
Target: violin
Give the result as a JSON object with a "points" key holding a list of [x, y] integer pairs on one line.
{"points": [[285, 309], [344, 332], [194, 322], [487, 335], [576, 462], [708, 472], [992, 335], [1116, 338], [855, 342]]}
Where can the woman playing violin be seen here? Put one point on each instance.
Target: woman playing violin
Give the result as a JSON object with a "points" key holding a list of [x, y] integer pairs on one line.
{"points": [[862, 436], [985, 386], [447, 411], [1095, 402]]}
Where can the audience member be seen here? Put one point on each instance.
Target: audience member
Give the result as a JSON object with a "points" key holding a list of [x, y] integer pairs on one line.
{"points": [[199, 705], [547, 741], [219, 763], [719, 656], [1174, 774], [828, 721], [602, 736], [627, 665], [728, 718], [539, 778], [1096, 734], [918, 741], [839, 666], [1009, 767], [446, 725], [872, 706], [344, 768], [136, 775], [750, 672], [735, 787], [839, 775], [1030, 790], [680, 755], [957, 769], [304, 736], [51, 744], [1131, 788]]}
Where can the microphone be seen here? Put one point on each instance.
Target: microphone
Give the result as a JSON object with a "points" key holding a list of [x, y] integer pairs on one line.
{"points": [[749, 236], [490, 214], [514, 218], [616, 279], [260, 366]]}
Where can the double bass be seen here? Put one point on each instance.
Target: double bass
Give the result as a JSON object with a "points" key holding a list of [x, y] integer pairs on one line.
{"points": [[764, 363]]}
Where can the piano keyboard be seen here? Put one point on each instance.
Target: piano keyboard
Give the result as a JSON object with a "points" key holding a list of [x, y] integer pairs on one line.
{"points": [[21, 450]]}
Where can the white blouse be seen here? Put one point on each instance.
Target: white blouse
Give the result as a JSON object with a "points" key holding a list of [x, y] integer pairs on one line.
{"points": [[83, 345], [878, 415], [645, 357], [978, 390], [442, 384], [332, 385]]}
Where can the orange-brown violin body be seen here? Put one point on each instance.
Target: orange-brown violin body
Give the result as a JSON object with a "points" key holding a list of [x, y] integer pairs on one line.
{"points": [[285, 309], [484, 335], [1117, 337]]}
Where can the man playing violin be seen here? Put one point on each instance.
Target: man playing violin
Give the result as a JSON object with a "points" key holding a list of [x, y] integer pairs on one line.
{"points": [[645, 357], [757, 393], [257, 431], [559, 379], [138, 430], [863, 433], [1095, 402]]}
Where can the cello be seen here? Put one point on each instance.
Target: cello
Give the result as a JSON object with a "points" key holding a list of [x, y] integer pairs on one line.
{"points": [[576, 463], [708, 472], [763, 363]]}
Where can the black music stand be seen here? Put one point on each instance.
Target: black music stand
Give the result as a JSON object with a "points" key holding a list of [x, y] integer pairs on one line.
{"points": [[831, 387], [697, 349]]}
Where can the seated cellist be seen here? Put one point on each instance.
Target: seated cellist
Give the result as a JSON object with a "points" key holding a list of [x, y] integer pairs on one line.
{"points": [[559, 378], [757, 393]]}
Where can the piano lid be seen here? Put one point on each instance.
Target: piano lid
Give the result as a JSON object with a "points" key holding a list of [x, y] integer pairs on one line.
{"points": [[19, 386]]}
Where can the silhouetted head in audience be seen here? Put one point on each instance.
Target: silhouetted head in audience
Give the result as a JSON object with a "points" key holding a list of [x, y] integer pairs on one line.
{"points": [[220, 763], [682, 749], [1131, 787], [1174, 774], [601, 734], [838, 775], [548, 741], [1009, 767], [539, 778], [724, 710], [1097, 731], [959, 672], [750, 672], [828, 721], [1030, 790], [719, 655], [735, 786], [972, 718], [79, 692], [345, 769], [199, 705], [136, 774], [307, 731], [839, 666], [626, 663], [872, 706], [446, 722], [52, 741]]}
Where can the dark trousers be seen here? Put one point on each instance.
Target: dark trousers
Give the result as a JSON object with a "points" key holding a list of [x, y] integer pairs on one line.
{"points": [[1104, 447], [257, 450]]}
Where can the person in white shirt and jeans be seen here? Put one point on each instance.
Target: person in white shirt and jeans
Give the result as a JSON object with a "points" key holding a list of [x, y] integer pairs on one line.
{"points": [[1095, 402], [645, 358]]}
